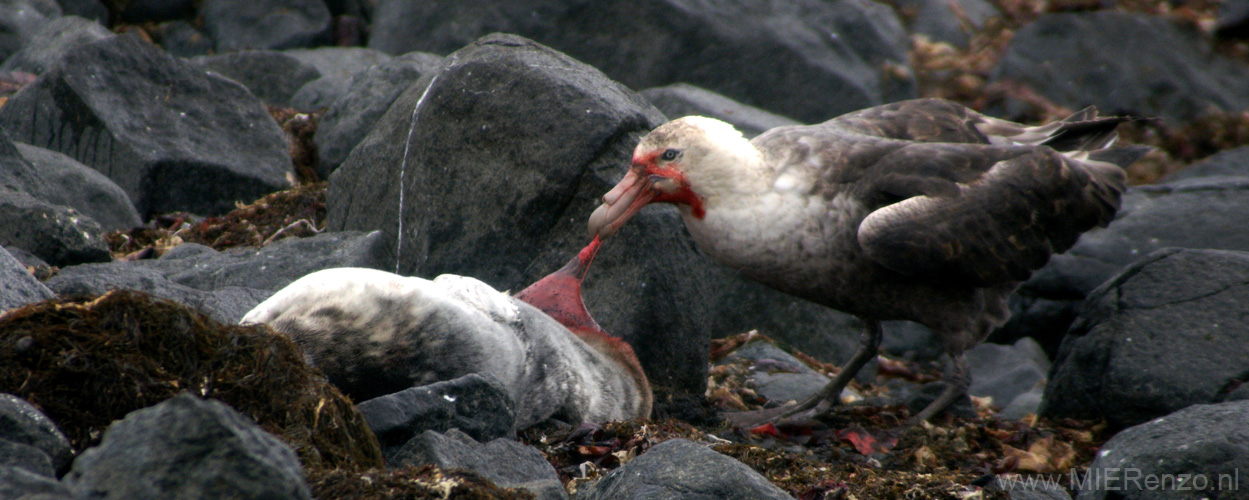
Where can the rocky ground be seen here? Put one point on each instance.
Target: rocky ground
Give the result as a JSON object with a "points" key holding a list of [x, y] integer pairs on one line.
{"points": [[143, 149]]}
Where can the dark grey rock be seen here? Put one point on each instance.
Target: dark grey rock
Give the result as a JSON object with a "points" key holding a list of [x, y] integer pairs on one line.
{"points": [[59, 235], [17, 286], [318, 94], [82, 188], [27, 457], [227, 305], [26, 258], [1166, 333], [949, 22], [144, 11], [777, 375], [225, 285], [266, 24], [186, 447], [53, 40], [1028, 403], [370, 93], [270, 75], [504, 462], [187, 250], [1198, 452], [1007, 372], [20, 20], [903, 340], [22, 423], [339, 62], [920, 398], [680, 469], [1229, 163], [21, 484], [402, 26], [1239, 393], [1111, 59], [1233, 21], [17, 174], [774, 55], [183, 39], [336, 65], [1196, 214], [277, 264], [103, 103], [1024, 490], [476, 404], [88, 9], [683, 100]]}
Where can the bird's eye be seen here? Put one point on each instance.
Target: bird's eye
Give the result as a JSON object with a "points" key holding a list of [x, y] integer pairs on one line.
{"points": [[670, 154]]}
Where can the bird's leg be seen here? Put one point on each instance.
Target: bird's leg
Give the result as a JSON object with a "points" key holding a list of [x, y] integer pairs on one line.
{"points": [[830, 395], [957, 380]]}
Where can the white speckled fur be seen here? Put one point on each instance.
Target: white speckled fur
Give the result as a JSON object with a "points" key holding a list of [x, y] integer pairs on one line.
{"points": [[412, 331]]}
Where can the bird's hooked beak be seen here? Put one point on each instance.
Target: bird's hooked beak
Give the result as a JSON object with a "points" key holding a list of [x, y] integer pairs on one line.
{"points": [[641, 185], [632, 193]]}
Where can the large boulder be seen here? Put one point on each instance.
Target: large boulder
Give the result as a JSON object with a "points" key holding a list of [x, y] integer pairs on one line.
{"points": [[23, 424], [266, 24], [678, 469], [226, 305], [20, 20], [80, 187], [270, 75], [369, 94], [477, 404], [1167, 333], [1197, 452], [504, 462], [336, 65], [809, 60], [225, 285], [52, 41], [1124, 63], [59, 235], [1227, 163], [952, 22], [17, 286], [186, 447], [19, 483], [172, 136]]}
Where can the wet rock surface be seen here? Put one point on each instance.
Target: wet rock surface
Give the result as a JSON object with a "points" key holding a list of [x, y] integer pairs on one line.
{"points": [[1157, 338], [188, 447]]}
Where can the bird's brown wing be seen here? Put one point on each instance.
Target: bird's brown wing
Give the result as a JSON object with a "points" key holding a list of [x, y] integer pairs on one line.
{"points": [[938, 120], [922, 120], [980, 215]]}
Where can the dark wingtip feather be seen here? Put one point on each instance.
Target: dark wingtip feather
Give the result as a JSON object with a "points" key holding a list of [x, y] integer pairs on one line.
{"points": [[1086, 135], [1121, 156]]}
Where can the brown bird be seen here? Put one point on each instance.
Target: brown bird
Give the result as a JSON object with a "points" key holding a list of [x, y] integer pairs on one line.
{"points": [[920, 210]]}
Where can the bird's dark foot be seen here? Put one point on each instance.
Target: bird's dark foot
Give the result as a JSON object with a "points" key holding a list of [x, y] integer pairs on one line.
{"points": [[957, 381]]}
